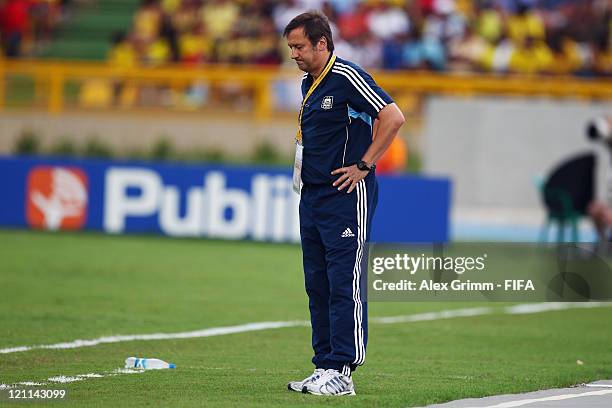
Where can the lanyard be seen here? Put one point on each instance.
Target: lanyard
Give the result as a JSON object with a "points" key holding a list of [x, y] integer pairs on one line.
{"points": [[314, 85]]}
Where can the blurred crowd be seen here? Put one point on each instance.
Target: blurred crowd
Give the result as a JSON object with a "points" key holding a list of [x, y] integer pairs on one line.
{"points": [[25, 24], [519, 36]]}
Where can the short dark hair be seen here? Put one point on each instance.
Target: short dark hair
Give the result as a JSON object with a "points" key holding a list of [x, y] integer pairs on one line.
{"points": [[316, 25]]}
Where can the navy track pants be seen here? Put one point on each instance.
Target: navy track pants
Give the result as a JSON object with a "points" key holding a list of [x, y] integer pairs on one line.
{"points": [[334, 228]]}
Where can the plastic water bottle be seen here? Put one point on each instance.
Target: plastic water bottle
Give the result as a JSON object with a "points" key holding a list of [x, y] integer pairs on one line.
{"points": [[147, 363]]}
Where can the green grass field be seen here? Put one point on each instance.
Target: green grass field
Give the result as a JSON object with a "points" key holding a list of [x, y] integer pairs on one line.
{"points": [[62, 287]]}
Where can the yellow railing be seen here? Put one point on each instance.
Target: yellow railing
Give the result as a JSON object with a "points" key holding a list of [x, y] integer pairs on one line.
{"points": [[50, 79]]}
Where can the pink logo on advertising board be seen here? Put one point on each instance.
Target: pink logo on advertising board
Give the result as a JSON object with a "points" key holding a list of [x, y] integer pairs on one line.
{"points": [[56, 198]]}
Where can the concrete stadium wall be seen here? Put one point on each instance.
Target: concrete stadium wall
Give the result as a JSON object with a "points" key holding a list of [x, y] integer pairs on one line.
{"points": [[493, 149], [123, 131]]}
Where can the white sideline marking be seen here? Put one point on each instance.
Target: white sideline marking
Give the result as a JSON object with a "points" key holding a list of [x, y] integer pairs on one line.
{"points": [[599, 385], [62, 379], [552, 306], [525, 308], [80, 377], [213, 331], [429, 316], [219, 331], [520, 403]]}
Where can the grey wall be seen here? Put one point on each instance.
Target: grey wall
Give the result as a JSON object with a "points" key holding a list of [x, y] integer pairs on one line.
{"points": [[494, 148], [231, 133]]}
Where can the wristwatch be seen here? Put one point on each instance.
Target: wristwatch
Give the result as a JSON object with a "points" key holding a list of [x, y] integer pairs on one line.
{"points": [[363, 166]]}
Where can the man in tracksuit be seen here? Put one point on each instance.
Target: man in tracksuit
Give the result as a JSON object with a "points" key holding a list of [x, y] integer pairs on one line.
{"points": [[335, 155]]}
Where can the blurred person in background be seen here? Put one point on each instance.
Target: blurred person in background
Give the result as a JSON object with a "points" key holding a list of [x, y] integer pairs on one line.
{"points": [[147, 21], [364, 49], [497, 56], [169, 33], [220, 17], [526, 23], [193, 42], [426, 6], [421, 52], [489, 22], [602, 57], [185, 17], [15, 23], [392, 54], [531, 56], [599, 131], [284, 11], [153, 35], [170, 6], [395, 159], [157, 52], [45, 15], [386, 21], [602, 38], [566, 55], [194, 45], [444, 25], [344, 6], [353, 23], [467, 53], [369, 51], [122, 53], [267, 44]]}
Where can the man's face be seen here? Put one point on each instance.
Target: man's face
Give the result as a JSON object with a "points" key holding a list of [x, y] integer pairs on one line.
{"points": [[303, 52]]}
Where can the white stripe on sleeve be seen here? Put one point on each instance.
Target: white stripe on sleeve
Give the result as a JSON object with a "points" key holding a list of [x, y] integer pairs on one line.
{"points": [[375, 104], [360, 80]]}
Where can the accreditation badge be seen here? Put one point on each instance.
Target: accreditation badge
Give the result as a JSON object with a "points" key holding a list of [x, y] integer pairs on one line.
{"points": [[297, 167]]}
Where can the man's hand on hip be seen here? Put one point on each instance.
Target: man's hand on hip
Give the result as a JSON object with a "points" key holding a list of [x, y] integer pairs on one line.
{"points": [[350, 177]]}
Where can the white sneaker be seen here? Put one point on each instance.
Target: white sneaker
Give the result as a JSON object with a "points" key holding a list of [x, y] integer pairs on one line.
{"points": [[299, 385], [332, 382]]}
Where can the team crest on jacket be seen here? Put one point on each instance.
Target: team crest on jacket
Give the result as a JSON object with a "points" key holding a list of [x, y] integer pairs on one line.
{"points": [[327, 102]]}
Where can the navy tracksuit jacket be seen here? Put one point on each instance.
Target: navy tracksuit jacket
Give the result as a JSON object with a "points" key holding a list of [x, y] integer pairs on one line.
{"points": [[335, 226]]}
